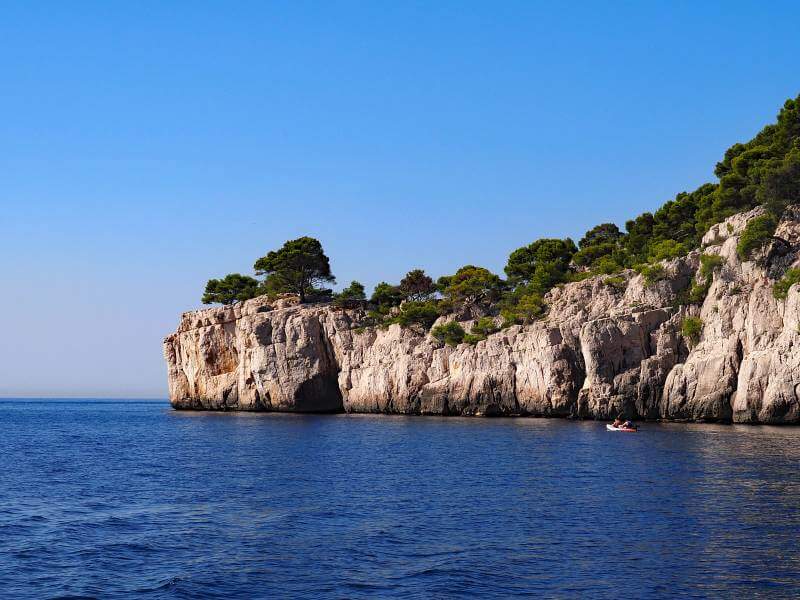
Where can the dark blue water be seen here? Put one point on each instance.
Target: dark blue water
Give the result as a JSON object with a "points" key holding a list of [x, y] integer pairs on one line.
{"points": [[116, 499]]}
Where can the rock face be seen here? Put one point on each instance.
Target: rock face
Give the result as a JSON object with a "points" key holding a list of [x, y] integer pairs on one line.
{"points": [[605, 348]]}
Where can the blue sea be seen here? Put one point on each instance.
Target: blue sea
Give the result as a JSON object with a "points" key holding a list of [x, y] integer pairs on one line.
{"points": [[121, 499]]}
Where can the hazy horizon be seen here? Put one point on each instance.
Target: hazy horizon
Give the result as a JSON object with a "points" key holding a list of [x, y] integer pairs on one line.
{"points": [[149, 148]]}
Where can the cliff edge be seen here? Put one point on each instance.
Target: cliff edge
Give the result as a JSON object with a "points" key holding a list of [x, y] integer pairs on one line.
{"points": [[608, 345]]}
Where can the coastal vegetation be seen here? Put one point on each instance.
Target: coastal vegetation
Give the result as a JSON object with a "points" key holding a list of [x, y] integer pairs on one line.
{"points": [[451, 333], [298, 267], [350, 296], [781, 289], [756, 234], [709, 263], [416, 286], [764, 171], [231, 288], [651, 273], [692, 327]]}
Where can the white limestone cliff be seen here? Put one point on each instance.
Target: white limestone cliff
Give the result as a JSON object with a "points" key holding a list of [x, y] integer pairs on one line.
{"points": [[603, 349]]}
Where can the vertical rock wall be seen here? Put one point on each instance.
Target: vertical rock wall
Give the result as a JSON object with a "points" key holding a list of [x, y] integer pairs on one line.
{"points": [[604, 349]]}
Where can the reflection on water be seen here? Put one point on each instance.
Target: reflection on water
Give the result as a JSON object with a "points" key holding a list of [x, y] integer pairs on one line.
{"points": [[112, 499]]}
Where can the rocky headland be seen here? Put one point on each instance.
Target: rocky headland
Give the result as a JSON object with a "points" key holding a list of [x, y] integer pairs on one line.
{"points": [[607, 345]]}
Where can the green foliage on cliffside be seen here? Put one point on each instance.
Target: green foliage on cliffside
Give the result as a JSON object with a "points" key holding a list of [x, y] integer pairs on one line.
{"points": [[471, 285], [708, 264], [616, 282], [386, 296], [231, 288], [522, 306], [781, 289], [651, 273], [451, 333], [541, 265], [352, 295], [763, 171], [297, 267], [483, 328], [417, 286], [699, 290], [756, 235], [692, 328], [417, 313]]}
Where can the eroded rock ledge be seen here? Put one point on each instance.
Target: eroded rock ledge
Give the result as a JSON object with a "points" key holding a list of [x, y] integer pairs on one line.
{"points": [[603, 349]]}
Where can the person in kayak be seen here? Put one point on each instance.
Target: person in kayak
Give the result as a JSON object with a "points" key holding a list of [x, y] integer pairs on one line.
{"points": [[620, 424]]}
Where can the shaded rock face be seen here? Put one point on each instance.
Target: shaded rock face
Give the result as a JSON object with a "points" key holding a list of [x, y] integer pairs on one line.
{"points": [[603, 350]]}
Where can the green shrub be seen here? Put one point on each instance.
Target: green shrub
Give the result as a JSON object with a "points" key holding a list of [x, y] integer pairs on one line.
{"points": [[616, 282], [509, 317], [525, 308], [651, 273], [471, 285], [542, 264], [781, 289], [417, 313], [231, 288], [578, 276], [484, 326], [756, 234], [471, 338], [692, 327], [666, 249], [529, 308], [708, 264], [445, 306], [416, 285], [450, 333], [699, 292], [317, 294], [386, 296], [682, 298], [377, 315], [605, 265], [353, 295]]}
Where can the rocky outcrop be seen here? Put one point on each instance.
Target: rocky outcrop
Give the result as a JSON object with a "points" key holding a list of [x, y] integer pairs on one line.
{"points": [[606, 347]]}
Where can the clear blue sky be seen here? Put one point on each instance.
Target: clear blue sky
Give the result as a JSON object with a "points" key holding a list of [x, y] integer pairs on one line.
{"points": [[148, 146]]}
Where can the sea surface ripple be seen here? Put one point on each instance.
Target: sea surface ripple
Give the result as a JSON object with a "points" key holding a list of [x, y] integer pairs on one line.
{"points": [[120, 499]]}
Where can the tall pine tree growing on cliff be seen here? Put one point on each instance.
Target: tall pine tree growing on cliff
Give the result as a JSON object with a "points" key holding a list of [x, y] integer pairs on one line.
{"points": [[298, 267]]}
